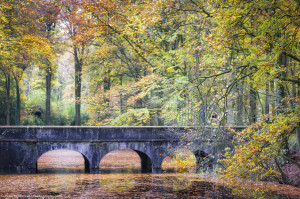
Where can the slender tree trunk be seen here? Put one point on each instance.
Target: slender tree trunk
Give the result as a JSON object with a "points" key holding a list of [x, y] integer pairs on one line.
{"points": [[106, 81], [267, 103], [253, 105], [48, 77], [78, 69], [121, 96], [294, 85], [239, 115], [273, 100], [27, 92], [280, 96], [106, 86], [230, 111], [18, 105], [298, 129], [48, 96], [8, 100]]}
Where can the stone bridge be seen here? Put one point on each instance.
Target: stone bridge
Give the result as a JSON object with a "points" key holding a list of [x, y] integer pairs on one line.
{"points": [[21, 146]]}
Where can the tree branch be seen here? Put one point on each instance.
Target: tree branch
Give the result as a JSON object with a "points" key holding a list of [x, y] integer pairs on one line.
{"points": [[292, 161], [129, 41], [290, 80], [292, 56], [202, 9]]}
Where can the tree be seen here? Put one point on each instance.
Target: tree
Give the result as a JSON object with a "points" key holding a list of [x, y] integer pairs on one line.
{"points": [[267, 34], [49, 11], [80, 33], [235, 42], [21, 41]]}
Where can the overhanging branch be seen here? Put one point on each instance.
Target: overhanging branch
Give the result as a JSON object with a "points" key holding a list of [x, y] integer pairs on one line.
{"points": [[292, 56]]}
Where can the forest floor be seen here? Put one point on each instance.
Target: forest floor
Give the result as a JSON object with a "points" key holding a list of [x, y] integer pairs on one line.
{"points": [[292, 171]]}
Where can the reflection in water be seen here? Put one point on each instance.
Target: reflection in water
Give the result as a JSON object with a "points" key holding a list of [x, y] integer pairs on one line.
{"points": [[115, 186], [176, 183], [124, 185], [114, 183], [119, 170]]}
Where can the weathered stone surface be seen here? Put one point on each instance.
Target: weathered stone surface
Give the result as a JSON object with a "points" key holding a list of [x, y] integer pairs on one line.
{"points": [[20, 147]]}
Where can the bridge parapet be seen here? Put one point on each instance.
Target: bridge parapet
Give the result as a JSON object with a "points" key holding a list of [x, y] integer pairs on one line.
{"points": [[92, 134]]}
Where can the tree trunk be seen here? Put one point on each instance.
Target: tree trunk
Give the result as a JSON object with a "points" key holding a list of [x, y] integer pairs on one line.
{"points": [[48, 96], [18, 105], [106, 81], [273, 99], [267, 103], [298, 128], [253, 106], [280, 94], [27, 92], [239, 115], [230, 111], [294, 85], [121, 96], [8, 100], [78, 69]]}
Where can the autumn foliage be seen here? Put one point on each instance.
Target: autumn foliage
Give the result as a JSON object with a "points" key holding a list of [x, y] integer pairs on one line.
{"points": [[260, 149]]}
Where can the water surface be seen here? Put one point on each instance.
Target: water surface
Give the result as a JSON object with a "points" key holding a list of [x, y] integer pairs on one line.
{"points": [[119, 186]]}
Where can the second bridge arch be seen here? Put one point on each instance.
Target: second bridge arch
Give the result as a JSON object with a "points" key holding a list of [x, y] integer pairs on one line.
{"points": [[125, 161]]}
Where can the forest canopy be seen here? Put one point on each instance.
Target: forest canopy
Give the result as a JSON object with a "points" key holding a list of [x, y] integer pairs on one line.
{"points": [[165, 62]]}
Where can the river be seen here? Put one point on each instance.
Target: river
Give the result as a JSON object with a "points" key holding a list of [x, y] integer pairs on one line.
{"points": [[125, 186]]}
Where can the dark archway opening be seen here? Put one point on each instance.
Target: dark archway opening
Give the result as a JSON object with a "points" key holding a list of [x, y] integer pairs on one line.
{"points": [[204, 161], [62, 161], [125, 161], [86, 165], [146, 164]]}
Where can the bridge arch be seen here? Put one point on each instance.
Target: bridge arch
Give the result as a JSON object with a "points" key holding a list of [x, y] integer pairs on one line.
{"points": [[179, 159], [146, 162], [45, 148]]}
